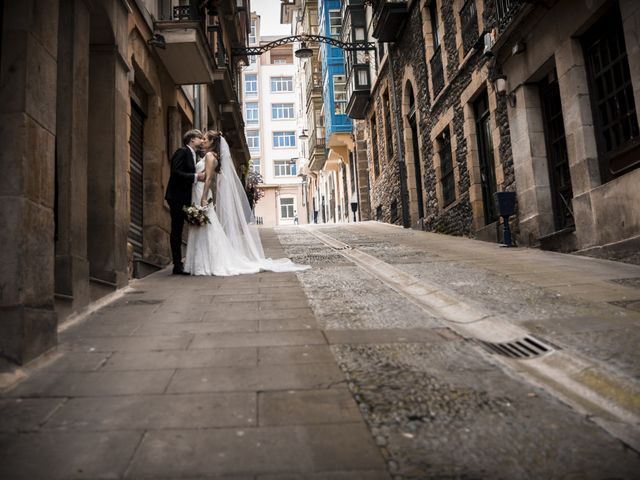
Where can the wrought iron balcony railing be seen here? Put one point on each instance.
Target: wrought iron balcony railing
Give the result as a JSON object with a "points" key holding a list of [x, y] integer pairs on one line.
{"points": [[505, 12]]}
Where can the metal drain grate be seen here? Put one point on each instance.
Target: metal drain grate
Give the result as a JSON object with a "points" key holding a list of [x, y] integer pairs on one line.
{"points": [[526, 347]]}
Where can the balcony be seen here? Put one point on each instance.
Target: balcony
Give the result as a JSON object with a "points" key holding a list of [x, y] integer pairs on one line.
{"points": [[233, 125], [506, 11], [358, 91], [317, 150], [388, 18], [186, 52]]}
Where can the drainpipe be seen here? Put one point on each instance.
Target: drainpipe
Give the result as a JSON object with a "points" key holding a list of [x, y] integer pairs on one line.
{"points": [[402, 169]]}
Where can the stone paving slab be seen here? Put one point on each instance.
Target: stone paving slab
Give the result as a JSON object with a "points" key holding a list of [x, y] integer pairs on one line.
{"points": [[66, 455], [26, 414], [307, 407], [156, 412], [184, 328], [295, 355], [294, 449], [261, 339], [129, 344], [261, 378], [288, 313], [183, 359], [87, 384]]}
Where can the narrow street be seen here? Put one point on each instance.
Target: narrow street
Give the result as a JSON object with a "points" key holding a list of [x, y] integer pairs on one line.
{"points": [[401, 354]]}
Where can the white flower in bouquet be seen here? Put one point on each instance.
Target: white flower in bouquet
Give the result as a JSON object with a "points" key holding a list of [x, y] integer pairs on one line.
{"points": [[196, 215]]}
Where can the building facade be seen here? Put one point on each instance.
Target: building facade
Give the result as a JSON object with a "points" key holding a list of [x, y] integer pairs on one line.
{"points": [[572, 81], [271, 107], [95, 98]]}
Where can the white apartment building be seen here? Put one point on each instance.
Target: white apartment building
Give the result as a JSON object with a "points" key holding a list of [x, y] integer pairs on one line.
{"points": [[271, 114]]}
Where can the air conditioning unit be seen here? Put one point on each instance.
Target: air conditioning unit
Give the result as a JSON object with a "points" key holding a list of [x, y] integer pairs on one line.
{"points": [[488, 41]]}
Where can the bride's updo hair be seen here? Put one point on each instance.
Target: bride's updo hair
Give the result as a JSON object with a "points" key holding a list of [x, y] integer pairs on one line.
{"points": [[214, 145]]}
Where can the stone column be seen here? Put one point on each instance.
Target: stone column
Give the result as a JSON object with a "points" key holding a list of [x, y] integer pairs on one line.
{"points": [[531, 171], [108, 212], [580, 135], [28, 324], [71, 265]]}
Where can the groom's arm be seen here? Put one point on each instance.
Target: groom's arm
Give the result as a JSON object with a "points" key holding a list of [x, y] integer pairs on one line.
{"points": [[178, 166]]}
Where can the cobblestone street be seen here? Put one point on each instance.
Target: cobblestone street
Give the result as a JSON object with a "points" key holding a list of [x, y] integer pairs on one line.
{"points": [[401, 354]]}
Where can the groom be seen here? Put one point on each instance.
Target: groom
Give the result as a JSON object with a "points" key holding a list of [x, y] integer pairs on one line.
{"points": [[183, 176]]}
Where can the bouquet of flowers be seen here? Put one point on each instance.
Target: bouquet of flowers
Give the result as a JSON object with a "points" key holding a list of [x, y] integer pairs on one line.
{"points": [[196, 215]]}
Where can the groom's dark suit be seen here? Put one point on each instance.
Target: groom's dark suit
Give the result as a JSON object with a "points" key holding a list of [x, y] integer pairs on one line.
{"points": [[183, 169]]}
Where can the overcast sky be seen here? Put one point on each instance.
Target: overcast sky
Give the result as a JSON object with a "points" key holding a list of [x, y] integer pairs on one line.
{"points": [[269, 11]]}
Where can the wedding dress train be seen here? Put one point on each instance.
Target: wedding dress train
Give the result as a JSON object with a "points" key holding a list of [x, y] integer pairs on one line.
{"points": [[229, 245]]}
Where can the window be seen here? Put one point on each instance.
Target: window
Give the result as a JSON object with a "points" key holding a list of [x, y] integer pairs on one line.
{"points": [[281, 110], [255, 165], [284, 168], [335, 23], [284, 139], [446, 169], [253, 140], [287, 208], [433, 14], [340, 94], [612, 100], [252, 34], [281, 84], [253, 60], [374, 147], [252, 112], [251, 84], [388, 131], [469, 24]]}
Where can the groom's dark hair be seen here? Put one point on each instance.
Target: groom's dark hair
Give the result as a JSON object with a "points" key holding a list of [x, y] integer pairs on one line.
{"points": [[190, 135]]}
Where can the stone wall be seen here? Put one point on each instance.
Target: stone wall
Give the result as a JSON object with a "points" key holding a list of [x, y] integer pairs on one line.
{"points": [[465, 77]]}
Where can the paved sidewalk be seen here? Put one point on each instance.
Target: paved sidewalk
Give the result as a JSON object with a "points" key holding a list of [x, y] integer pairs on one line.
{"points": [[191, 377]]}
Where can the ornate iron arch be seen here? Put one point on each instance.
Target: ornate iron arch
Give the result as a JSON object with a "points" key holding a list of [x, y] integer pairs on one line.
{"points": [[303, 38]]}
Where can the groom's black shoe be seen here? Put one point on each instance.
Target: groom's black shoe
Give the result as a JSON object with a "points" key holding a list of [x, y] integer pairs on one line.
{"points": [[179, 271]]}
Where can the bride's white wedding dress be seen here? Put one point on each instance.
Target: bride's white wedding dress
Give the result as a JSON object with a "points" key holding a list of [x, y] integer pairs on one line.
{"points": [[229, 245]]}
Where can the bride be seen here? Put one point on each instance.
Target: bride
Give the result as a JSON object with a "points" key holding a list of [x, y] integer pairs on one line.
{"points": [[230, 244]]}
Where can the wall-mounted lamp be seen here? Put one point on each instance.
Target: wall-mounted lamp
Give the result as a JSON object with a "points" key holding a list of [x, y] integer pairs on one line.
{"points": [[303, 135], [157, 41], [518, 47], [500, 85]]}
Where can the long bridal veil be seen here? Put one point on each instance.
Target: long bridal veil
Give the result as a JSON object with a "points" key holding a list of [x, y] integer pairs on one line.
{"points": [[233, 210], [237, 219]]}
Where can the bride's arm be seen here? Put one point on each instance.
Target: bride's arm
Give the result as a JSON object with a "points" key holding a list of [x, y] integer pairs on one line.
{"points": [[210, 163]]}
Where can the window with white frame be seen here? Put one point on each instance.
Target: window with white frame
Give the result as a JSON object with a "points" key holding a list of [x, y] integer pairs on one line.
{"points": [[252, 112], [252, 33], [253, 60], [284, 168], [284, 139], [255, 165], [281, 110], [253, 140], [340, 94], [287, 207], [281, 84], [335, 23], [251, 84]]}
